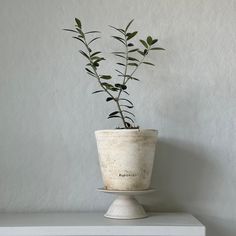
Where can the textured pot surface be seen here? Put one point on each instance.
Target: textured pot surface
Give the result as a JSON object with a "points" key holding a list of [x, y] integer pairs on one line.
{"points": [[126, 158]]}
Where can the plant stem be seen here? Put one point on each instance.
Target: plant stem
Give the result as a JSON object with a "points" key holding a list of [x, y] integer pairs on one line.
{"points": [[119, 94], [104, 88], [126, 66], [138, 65], [95, 70], [121, 113], [118, 97]]}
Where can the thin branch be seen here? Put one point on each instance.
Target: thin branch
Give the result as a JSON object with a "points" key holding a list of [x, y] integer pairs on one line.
{"points": [[140, 63]]}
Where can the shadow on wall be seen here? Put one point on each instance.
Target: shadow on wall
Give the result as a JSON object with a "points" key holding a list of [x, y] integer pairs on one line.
{"points": [[178, 175], [185, 179]]}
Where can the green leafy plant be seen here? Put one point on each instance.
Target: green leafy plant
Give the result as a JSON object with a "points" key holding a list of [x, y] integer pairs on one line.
{"points": [[131, 58]]}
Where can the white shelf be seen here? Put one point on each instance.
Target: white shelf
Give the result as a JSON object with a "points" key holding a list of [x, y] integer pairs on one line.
{"points": [[72, 224]]}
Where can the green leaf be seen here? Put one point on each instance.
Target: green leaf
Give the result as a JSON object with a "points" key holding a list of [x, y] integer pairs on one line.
{"points": [[132, 64], [70, 30], [133, 50], [132, 59], [128, 124], [114, 89], [114, 113], [154, 41], [126, 92], [140, 52], [127, 27], [121, 64], [118, 52], [119, 72], [119, 30], [120, 56], [78, 23], [95, 64], [131, 35], [157, 48], [84, 54], [92, 32], [81, 32], [94, 40], [94, 58], [149, 40], [89, 64], [79, 39], [91, 72], [121, 86], [143, 43], [99, 59], [106, 77], [148, 63], [109, 117], [119, 39], [94, 54], [133, 78], [109, 99], [93, 75], [128, 112], [130, 45], [107, 85], [126, 106], [98, 91], [130, 77], [126, 117], [124, 99]]}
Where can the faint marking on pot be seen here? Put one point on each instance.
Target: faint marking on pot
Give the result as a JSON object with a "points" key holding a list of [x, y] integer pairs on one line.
{"points": [[128, 175]]}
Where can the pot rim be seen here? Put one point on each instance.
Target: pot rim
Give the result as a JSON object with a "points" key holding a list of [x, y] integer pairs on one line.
{"points": [[126, 130]]}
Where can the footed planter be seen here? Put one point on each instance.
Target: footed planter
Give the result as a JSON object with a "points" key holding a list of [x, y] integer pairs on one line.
{"points": [[126, 158]]}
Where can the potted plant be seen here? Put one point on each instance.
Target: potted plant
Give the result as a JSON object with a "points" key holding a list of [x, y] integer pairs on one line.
{"points": [[126, 154]]}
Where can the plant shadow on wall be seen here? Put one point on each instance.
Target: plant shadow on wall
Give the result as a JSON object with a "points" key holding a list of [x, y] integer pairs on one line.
{"points": [[178, 174], [184, 179]]}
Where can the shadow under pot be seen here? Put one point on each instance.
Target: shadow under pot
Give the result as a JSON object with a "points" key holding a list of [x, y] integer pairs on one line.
{"points": [[126, 158]]}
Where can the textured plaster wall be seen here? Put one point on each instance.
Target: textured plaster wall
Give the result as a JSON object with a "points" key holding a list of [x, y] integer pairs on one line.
{"points": [[48, 159]]}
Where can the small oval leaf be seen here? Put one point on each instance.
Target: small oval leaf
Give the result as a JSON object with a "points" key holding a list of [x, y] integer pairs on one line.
{"points": [[121, 64], [154, 41], [122, 86], [132, 59], [95, 53], [148, 63], [157, 48], [149, 40], [98, 91], [127, 27], [143, 43], [78, 22], [94, 40], [70, 30], [84, 54], [92, 32], [114, 113], [109, 117], [109, 99], [106, 77], [124, 99], [131, 35], [133, 64]]}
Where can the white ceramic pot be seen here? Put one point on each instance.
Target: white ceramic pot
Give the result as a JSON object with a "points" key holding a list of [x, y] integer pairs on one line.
{"points": [[126, 157]]}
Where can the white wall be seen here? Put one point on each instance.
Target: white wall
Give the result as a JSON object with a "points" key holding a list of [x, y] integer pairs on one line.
{"points": [[48, 157]]}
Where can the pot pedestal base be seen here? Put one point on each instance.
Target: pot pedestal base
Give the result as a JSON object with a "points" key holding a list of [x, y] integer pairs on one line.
{"points": [[125, 206]]}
